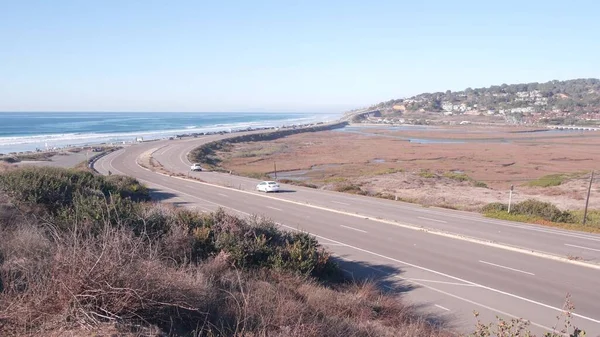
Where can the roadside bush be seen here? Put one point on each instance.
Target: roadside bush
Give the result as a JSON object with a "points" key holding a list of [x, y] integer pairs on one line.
{"points": [[127, 187], [593, 217], [297, 183], [55, 188], [494, 207], [350, 188], [530, 210], [544, 210]]}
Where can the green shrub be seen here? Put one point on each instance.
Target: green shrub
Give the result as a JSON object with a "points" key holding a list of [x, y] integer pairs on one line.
{"points": [[259, 243], [593, 217], [427, 174], [480, 184], [503, 215], [544, 210], [457, 176], [350, 188], [531, 209], [55, 188], [548, 181], [494, 207]]}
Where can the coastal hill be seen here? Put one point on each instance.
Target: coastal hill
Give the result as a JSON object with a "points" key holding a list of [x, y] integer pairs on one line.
{"points": [[575, 102]]}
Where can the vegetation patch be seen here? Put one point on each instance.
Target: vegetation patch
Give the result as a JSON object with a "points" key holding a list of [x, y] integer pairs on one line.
{"points": [[427, 174], [81, 251], [553, 179], [457, 176], [544, 213], [297, 183], [350, 188], [480, 184], [261, 151], [207, 153], [390, 170], [334, 180]]}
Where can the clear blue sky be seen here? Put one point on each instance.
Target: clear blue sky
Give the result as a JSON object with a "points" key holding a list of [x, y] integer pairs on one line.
{"points": [[280, 55]]}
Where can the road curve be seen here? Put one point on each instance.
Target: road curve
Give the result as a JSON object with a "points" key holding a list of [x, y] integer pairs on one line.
{"points": [[449, 276]]}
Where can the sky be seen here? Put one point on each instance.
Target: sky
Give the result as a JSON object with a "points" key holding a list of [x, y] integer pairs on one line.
{"points": [[279, 56]]}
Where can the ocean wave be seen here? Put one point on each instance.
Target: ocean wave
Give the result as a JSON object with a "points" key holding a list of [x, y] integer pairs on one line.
{"points": [[26, 143]]}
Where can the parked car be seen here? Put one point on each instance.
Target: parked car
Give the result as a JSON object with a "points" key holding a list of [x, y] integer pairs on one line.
{"points": [[196, 167], [268, 186]]}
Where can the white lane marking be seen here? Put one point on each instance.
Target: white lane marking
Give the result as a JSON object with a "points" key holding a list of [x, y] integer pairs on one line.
{"points": [[448, 276], [181, 157], [476, 303], [457, 297], [223, 195], [426, 269], [541, 254], [339, 202], [445, 214], [277, 209], [436, 220], [443, 282], [195, 197], [164, 151], [523, 226], [509, 268], [110, 164], [440, 307], [355, 229], [596, 250]]}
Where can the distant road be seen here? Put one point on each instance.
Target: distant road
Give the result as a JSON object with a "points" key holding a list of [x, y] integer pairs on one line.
{"points": [[456, 262]]}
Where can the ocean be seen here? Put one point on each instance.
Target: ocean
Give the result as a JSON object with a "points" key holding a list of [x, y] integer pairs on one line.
{"points": [[28, 131]]}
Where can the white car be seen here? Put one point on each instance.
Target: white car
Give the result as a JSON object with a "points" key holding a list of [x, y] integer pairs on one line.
{"points": [[196, 167], [268, 186]]}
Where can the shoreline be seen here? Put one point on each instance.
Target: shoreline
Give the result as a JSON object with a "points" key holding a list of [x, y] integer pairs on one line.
{"points": [[49, 142], [168, 136]]}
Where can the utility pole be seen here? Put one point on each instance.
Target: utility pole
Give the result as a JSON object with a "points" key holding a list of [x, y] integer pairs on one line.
{"points": [[512, 187], [587, 200], [275, 168]]}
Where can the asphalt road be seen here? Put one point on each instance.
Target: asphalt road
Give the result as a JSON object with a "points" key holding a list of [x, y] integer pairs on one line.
{"points": [[462, 263]]}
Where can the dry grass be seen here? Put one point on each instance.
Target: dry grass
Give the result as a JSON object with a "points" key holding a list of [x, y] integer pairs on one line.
{"points": [[432, 173], [75, 285], [158, 271]]}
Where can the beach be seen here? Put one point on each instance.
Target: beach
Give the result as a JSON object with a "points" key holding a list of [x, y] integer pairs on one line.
{"points": [[48, 131]]}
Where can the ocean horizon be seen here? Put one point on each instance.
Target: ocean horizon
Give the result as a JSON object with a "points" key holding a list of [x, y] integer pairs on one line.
{"points": [[29, 131]]}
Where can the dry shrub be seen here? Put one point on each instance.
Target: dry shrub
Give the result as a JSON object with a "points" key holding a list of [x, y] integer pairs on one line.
{"points": [[97, 264], [80, 283], [84, 281], [276, 304]]}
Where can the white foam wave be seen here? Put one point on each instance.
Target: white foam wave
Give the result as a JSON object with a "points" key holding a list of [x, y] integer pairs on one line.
{"points": [[28, 143]]}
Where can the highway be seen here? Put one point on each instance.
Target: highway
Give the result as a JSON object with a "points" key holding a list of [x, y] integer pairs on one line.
{"points": [[449, 263]]}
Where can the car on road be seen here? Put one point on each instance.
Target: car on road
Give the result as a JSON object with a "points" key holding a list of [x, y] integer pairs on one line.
{"points": [[268, 186], [196, 167]]}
